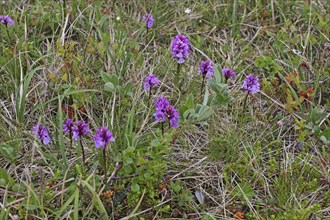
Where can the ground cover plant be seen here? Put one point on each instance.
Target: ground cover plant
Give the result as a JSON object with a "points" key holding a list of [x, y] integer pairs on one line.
{"points": [[163, 109]]}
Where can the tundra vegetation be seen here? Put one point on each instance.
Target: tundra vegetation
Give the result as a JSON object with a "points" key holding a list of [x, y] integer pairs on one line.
{"points": [[164, 109]]}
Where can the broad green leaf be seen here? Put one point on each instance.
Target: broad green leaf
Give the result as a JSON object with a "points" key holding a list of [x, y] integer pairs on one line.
{"points": [[5, 178], [218, 88], [189, 104], [221, 100], [128, 160], [105, 77], [189, 113], [325, 136], [109, 86], [217, 74], [203, 112], [8, 152], [135, 187]]}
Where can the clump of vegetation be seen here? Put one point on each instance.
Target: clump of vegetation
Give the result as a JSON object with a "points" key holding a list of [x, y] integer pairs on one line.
{"points": [[164, 109]]}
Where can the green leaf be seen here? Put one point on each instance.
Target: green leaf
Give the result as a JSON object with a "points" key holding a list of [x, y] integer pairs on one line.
{"points": [[317, 115], [154, 143], [5, 178], [176, 187], [222, 100], [218, 88], [244, 189], [135, 187], [325, 136], [110, 78], [189, 104], [105, 77], [217, 74], [222, 97], [109, 86], [128, 169], [76, 205], [130, 150], [8, 152], [186, 196], [203, 112], [128, 89], [190, 113], [128, 160], [146, 175]]}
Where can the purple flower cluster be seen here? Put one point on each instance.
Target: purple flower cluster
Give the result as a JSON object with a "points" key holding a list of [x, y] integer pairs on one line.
{"points": [[103, 137], [149, 20], [251, 84], [76, 129], [68, 126], [180, 48], [228, 73], [206, 69], [6, 20], [150, 82], [80, 128], [41, 132], [166, 111]]}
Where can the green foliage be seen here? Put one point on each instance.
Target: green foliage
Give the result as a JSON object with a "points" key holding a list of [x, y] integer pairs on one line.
{"points": [[221, 98], [183, 196], [87, 61], [5, 178], [268, 65], [8, 152], [244, 191], [146, 164]]}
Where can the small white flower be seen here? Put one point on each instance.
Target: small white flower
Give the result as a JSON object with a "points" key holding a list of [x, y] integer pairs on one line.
{"points": [[297, 52], [118, 18], [187, 11]]}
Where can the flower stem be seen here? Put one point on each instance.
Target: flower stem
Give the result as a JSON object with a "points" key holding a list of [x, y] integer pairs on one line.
{"points": [[70, 149], [7, 33], [82, 151], [105, 165], [177, 77], [150, 93], [245, 100], [203, 82], [163, 128]]}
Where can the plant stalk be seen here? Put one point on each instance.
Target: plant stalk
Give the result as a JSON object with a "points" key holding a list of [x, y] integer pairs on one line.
{"points": [[105, 165], [245, 100], [177, 77], [163, 128], [150, 93], [82, 151], [70, 149], [203, 82]]}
